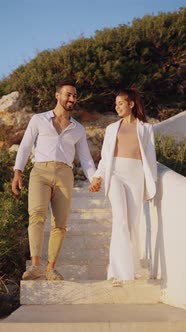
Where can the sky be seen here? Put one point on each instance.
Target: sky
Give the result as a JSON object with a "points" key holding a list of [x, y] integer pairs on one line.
{"points": [[28, 27]]}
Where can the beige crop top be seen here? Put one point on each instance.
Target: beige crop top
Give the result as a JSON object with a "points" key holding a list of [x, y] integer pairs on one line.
{"points": [[127, 144]]}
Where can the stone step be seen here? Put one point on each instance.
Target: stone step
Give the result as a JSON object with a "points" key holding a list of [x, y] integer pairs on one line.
{"points": [[81, 255], [87, 214], [84, 241], [96, 318], [82, 271], [88, 202], [83, 225], [87, 268], [41, 291], [69, 248], [91, 214], [89, 226], [83, 246]]}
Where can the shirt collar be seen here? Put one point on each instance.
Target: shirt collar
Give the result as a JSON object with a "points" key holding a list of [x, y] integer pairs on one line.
{"points": [[50, 115]]}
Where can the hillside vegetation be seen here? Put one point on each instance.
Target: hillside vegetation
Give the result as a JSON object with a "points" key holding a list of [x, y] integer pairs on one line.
{"points": [[148, 53]]}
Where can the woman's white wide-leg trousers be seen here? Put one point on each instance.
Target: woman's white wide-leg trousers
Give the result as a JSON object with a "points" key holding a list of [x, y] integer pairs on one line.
{"points": [[126, 196]]}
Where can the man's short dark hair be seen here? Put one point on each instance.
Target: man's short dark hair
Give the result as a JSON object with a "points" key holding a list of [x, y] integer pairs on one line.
{"points": [[66, 81]]}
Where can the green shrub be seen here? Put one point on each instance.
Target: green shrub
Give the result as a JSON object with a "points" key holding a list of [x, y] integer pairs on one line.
{"points": [[13, 234], [171, 153], [149, 52], [165, 114], [13, 218], [6, 167]]}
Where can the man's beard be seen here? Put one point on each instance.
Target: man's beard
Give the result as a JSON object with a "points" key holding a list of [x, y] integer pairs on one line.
{"points": [[69, 108]]}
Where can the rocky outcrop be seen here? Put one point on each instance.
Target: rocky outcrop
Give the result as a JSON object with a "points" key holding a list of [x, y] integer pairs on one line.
{"points": [[13, 119], [95, 139]]}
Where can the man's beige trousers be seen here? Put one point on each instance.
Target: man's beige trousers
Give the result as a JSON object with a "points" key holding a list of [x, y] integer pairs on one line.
{"points": [[50, 182]]}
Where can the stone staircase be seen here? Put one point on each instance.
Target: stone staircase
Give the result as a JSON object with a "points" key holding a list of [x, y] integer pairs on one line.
{"points": [[86, 301]]}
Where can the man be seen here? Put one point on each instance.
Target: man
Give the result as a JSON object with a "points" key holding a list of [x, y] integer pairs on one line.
{"points": [[55, 136]]}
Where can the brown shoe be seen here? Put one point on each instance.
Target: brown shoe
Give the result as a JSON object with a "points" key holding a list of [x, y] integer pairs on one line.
{"points": [[33, 272], [53, 275]]}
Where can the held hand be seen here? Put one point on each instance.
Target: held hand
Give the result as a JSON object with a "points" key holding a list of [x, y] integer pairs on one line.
{"points": [[95, 185], [17, 182]]}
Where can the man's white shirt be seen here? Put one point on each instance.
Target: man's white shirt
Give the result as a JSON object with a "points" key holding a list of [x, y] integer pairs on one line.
{"points": [[51, 146]]}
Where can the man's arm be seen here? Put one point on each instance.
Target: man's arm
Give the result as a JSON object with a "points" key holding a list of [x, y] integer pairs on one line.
{"points": [[17, 181], [85, 157], [23, 153]]}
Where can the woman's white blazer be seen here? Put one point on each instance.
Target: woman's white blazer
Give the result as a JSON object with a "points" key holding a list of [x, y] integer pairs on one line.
{"points": [[146, 142]]}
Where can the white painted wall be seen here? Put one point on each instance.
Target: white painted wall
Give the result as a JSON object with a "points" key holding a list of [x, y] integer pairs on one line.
{"points": [[174, 126], [163, 235]]}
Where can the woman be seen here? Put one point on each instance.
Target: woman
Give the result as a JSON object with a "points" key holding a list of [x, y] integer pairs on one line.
{"points": [[128, 167]]}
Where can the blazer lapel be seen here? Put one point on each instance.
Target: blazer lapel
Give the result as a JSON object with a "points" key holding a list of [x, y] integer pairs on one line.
{"points": [[140, 132], [113, 137], [112, 140]]}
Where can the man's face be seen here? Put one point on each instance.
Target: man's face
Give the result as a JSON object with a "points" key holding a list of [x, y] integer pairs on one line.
{"points": [[67, 97]]}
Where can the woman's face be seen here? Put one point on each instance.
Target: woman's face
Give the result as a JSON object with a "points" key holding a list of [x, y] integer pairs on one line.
{"points": [[123, 107]]}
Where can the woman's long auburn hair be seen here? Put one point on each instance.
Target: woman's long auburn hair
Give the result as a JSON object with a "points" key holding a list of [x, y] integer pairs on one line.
{"points": [[133, 95]]}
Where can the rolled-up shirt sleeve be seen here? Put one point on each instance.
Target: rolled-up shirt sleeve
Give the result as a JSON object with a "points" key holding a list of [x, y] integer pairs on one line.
{"points": [[27, 144], [85, 157]]}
